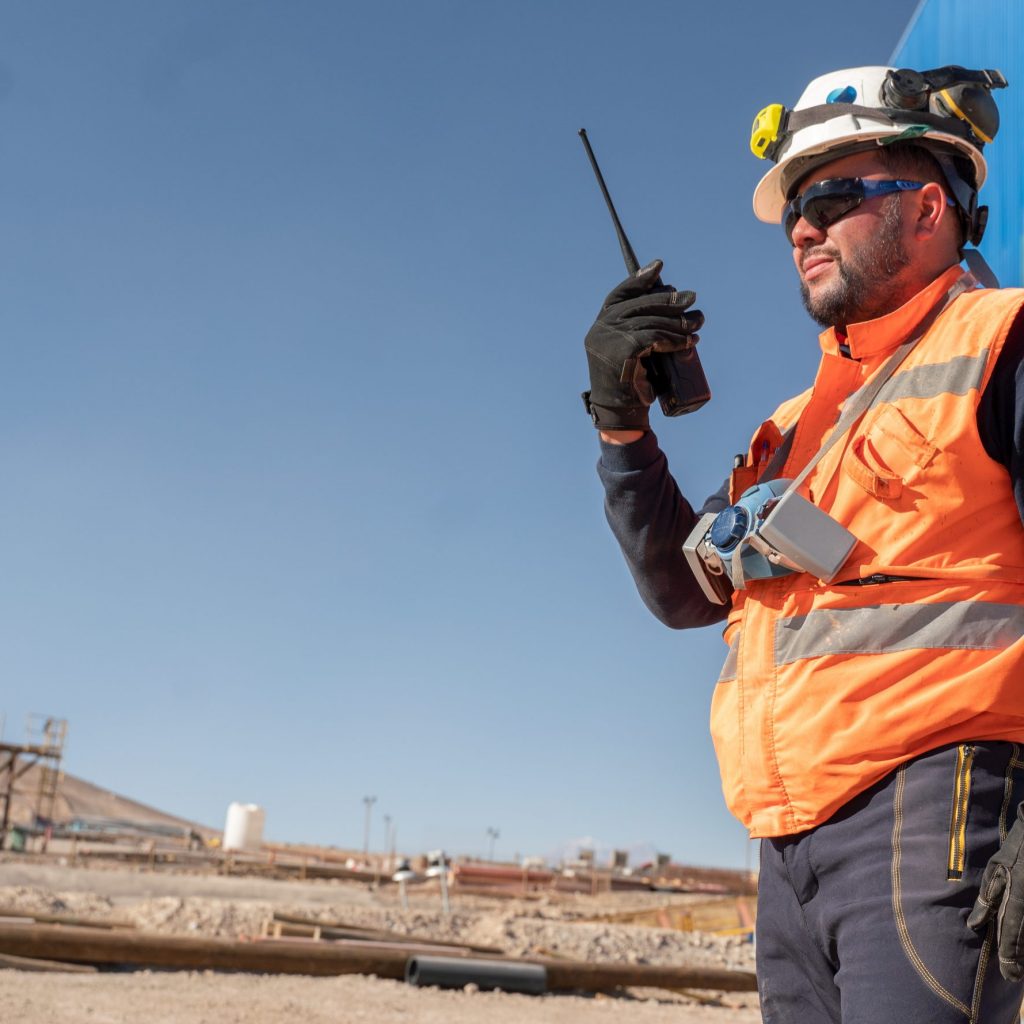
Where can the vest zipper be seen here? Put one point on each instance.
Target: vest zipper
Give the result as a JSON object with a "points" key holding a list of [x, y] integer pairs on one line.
{"points": [[958, 817]]}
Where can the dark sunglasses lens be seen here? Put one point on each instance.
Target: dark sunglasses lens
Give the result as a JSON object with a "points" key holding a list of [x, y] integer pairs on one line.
{"points": [[824, 210], [819, 210], [790, 215]]}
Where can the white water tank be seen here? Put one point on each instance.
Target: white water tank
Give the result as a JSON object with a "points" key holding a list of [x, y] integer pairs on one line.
{"points": [[243, 829]]}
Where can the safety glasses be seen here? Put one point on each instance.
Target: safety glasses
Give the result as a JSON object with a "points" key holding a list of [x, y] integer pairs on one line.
{"points": [[825, 202]]}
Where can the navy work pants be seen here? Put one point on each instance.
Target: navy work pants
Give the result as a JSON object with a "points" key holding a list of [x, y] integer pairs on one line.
{"points": [[862, 920]]}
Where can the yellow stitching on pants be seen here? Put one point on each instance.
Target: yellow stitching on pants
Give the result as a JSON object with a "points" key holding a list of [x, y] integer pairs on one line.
{"points": [[979, 977], [1008, 790], [897, 904]]}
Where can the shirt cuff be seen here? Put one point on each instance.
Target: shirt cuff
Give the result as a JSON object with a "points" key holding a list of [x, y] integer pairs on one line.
{"points": [[628, 458]]}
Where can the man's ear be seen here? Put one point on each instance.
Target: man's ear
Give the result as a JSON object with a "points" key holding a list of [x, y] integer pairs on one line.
{"points": [[932, 210]]}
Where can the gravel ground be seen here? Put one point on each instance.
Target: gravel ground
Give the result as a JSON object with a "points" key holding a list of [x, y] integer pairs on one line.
{"points": [[236, 999], [518, 929], [547, 927]]}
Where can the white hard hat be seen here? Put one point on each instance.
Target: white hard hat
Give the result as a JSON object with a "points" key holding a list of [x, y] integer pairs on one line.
{"points": [[948, 110]]}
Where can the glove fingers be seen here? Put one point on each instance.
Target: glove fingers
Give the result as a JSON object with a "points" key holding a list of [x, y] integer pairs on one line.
{"points": [[617, 345], [661, 340], [666, 323], [661, 343], [645, 280], [653, 303]]}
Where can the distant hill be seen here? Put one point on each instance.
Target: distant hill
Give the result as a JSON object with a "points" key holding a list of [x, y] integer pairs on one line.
{"points": [[79, 799]]}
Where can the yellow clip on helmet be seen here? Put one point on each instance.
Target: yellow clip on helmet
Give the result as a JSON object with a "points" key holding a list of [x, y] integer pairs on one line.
{"points": [[948, 109]]}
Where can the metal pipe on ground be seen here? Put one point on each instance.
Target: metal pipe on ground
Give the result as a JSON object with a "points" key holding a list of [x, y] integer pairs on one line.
{"points": [[369, 945], [25, 963], [570, 976], [341, 930], [449, 972], [566, 976], [142, 949], [84, 922]]}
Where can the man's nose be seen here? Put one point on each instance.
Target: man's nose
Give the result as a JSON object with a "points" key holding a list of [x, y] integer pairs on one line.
{"points": [[805, 234]]}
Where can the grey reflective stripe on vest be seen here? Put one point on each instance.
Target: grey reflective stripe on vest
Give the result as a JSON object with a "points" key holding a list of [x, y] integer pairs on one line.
{"points": [[955, 377], [728, 672], [880, 628]]}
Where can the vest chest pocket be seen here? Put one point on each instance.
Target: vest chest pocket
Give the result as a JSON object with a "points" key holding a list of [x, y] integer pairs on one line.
{"points": [[889, 454]]}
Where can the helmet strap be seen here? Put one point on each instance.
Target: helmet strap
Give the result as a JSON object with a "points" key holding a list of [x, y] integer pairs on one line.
{"points": [[966, 197]]}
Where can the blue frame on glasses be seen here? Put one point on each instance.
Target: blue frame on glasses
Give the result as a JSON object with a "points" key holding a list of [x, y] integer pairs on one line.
{"points": [[854, 189]]}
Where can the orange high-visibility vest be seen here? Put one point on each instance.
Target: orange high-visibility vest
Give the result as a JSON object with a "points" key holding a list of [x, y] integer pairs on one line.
{"points": [[827, 688]]}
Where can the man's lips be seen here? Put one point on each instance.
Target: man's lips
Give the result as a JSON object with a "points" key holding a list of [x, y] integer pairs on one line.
{"points": [[814, 266]]}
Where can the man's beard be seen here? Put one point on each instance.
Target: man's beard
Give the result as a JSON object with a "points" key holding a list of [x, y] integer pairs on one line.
{"points": [[866, 285]]}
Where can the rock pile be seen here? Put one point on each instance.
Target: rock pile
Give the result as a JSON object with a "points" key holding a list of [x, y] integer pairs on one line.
{"points": [[518, 928]]}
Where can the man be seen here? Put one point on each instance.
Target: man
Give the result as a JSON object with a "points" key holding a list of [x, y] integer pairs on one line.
{"points": [[869, 725]]}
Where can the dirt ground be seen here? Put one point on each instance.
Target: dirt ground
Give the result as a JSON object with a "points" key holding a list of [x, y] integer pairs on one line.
{"points": [[229, 907], [161, 998]]}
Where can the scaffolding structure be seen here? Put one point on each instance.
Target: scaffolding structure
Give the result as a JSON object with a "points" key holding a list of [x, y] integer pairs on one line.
{"points": [[45, 739]]}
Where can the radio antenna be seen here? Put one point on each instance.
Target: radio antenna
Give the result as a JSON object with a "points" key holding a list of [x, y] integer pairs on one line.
{"points": [[632, 263]]}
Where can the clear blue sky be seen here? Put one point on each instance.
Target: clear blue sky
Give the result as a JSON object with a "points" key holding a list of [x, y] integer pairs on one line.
{"points": [[299, 500]]}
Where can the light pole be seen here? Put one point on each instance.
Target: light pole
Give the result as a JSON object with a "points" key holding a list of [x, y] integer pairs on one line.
{"points": [[439, 869], [387, 836], [369, 801], [401, 876], [493, 833]]}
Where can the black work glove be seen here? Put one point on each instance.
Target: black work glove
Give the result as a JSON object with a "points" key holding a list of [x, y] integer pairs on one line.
{"points": [[1002, 897], [640, 316]]}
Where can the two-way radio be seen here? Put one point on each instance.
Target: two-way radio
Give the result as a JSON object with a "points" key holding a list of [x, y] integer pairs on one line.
{"points": [[677, 378]]}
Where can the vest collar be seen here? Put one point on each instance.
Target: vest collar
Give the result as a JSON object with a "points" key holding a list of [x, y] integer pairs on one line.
{"points": [[882, 335]]}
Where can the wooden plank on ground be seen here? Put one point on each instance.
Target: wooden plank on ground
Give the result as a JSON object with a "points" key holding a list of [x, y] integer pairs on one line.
{"points": [[72, 919]]}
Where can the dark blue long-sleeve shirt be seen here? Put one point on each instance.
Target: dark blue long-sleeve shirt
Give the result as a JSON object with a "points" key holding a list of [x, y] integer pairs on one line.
{"points": [[651, 519]]}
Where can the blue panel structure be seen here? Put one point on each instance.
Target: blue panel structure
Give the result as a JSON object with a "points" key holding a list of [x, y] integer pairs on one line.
{"points": [[983, 34]]}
